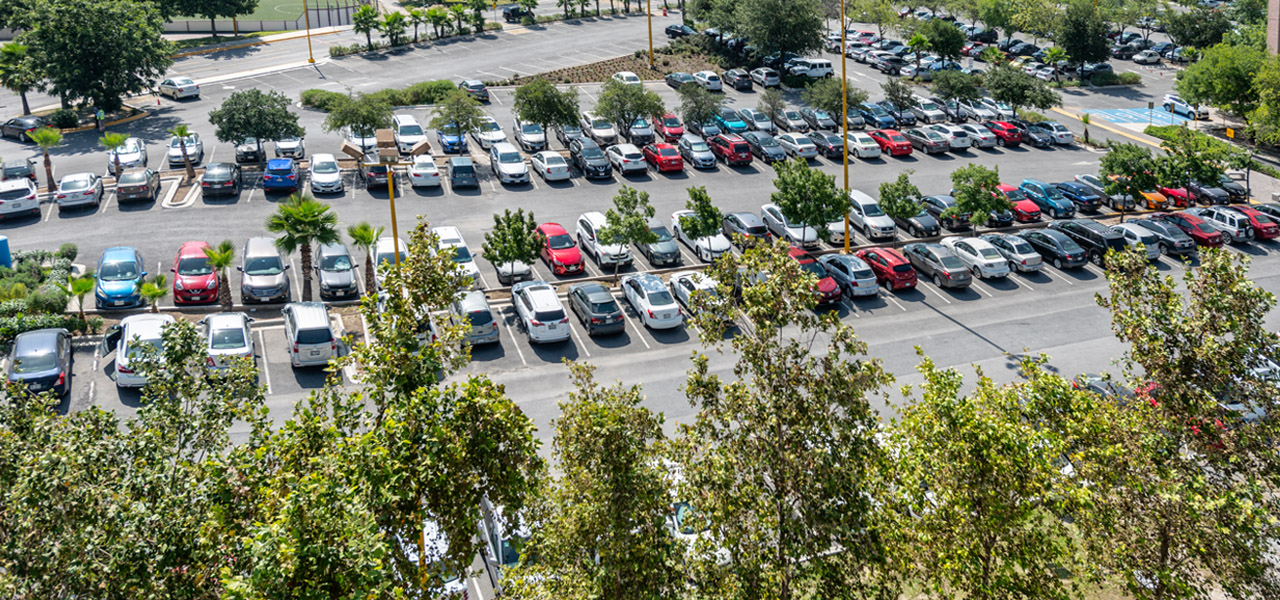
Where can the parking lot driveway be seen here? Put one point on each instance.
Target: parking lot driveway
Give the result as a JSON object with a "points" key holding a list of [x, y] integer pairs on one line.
{"points": [[277, 370]]}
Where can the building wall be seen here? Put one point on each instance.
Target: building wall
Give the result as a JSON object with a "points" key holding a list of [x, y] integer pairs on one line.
{"points": [[1273, 26]]}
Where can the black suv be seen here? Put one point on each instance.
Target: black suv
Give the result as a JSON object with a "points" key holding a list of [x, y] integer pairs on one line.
{"points": [[1094, 237], [936, 205], [587, 156], [515, 12]]}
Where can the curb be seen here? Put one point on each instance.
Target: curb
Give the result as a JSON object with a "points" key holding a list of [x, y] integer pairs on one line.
{"points": [[129, 119], [250, 44]]}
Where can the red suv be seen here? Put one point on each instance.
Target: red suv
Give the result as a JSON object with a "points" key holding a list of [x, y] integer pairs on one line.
{"points": [[828, 289], [194, 281], [730, 148], [559, 251], [1203, 233], [1006, 134], [1263, 226], [892, 269], [670, 127], [892, 142]]}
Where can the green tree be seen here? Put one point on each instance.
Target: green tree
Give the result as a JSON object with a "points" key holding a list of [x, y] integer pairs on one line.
{"points": [[599, 529], [945, 39], [302, 221], [365, 236], [154, 290], [974, 187], [47, 138], [18, 72], [113, 141], [627, 222], [1197, 27], [771, 104], [997, 15], [1264, 116], [392, 27], [80, 287], [540, 102], [418, 17], [1037, 17], [459, 13], [919, 45], [213, 9], [253, 113], [1223, 78], [1082, 33], [1056, 57], [900, 198], [1197, 493], [781, 25], [1128, 169], [361, 113], [1019, 89], [808, 196], [127, 54], [880, 13], [830, 96], [622, 104], [182, 132], [697, 105], [439, 18], [954, 85], [1190, 156], [779, 457], [566, 5], [365, 20], [706, 218], [899, 92], [514, 239], [477, 13], [457, 113], [220, 260]]}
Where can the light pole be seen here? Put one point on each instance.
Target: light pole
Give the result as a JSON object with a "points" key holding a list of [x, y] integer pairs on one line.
{"points": [[648, 9], [391, 196], [306, 17], [844, 114]]}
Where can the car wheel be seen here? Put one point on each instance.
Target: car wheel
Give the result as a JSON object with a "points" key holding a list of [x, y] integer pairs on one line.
{"points": [[1057, 263], [1096, 257], [976, 272], [1000, 142], [915, 231], [937, 280]]}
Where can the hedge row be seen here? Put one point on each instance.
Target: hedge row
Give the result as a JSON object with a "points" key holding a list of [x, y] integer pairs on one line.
{"points": [[425, 92], [10, 327]]}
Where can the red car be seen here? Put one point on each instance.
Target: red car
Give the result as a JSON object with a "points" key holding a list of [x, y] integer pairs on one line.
{"points": [[828, 289], [1024, 210], [891, 142], [1263, 227], [892, 269], [558, 250], [1006, 134], [973, 49], [730, 148], [663, 157], [194, 281], [1176, 196], [1203, 233], [670, 127]]}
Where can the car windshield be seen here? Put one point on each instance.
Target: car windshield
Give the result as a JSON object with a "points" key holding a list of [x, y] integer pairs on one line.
{"points": [[387, 257], [531, 128], [461, 254], [411, 130], [325, 167], [263, 265], [815, 268], [670, 122], [600, 124], [662, 233], [698, 147], [791, 115], [641, 123], [1053, 193], [78, 183], [661, 298], [34, 363], [951, 262], [490, 126], [194, 265], [768, 141], [1015, 195], [592, 152], [177, 142], [118, 271], [509, 157], [227, 339], [335, 262], [448, 129], [873, 210], [560, 242]]}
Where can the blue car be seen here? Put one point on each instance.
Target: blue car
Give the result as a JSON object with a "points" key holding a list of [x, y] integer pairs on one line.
{"points": [[1047, 197], [450, 140], [876, 116], [729, 120], [281, 176], [120, 278], [904, 117], [1081, 196]]}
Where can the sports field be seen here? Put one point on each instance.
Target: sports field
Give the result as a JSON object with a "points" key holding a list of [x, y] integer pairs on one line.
{"points": [[275, 10]]}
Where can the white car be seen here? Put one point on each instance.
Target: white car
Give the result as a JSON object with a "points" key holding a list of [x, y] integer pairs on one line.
{"points": [[709, 81], [291, 147], [18, 196], [652, 301], [598, 129], [588, 233], [227, 337], [489, 133], [798, 145], [798, 235], [865, 214], [364, 140], [324, 174], [424, 172], [979, 255], [955, 135], [1002, 110], [507, 164], [384, 256], [765, 77], [627, 78], [540, 312], [853, 274], [706, 248], [1055, 130], [451, 238], [975, 110], [530, 136], [128, 339], [1135, 234], [195, 150], [756, 120], [979, 137], [862, 146], [1147, 57], [1175, 104], [626, 158], [1020, 255], [408, 132], [927, 111], [132, 154], [550, 165], [79, 189], [686, 284], [178, 87]]}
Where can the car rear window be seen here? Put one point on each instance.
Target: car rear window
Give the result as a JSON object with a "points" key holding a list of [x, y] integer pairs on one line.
{"points": [[609, 307], [757, 230], [226, 339], [904, 268], [548, 316], [128, 178], [479, 317], [661, 298], [952, 262], [281, 172], [314, 336], [18, 171], [668, 152], [75, 184], [463, 170], [34, 363], [863, 274], [739, 148]]}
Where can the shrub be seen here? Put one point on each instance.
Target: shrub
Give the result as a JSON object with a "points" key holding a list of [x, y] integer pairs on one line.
{"points": [[323, 100], [427, 92], [1128, 78], [1031, 116], [64, 118], [13, 307], [68, 251], [1101, 79], [528, 20], [795, 82], [12, 326], [94, 325], [48, 300]]}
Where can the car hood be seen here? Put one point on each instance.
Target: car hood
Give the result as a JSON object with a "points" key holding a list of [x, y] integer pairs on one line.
{"points": [[715, 243], [338, 278], [263, 281], [326, 177], [512, 168], [603, 131], [126, 287], [451, 138], [177, 152], [197, 282], [567, 255], [880, 221], [597, 162], [127, 157], [827, 285], [667, 247], [534, 137]]}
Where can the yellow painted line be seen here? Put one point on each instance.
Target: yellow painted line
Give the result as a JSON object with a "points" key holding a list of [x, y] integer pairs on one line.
{"points": [[1111, 129], [519, 31], [249, 44]]}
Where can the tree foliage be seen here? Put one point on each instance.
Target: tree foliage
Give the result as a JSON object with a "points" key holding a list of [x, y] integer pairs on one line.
{"points": [[514, 238], [1082, 33], [1223, 78], [627, 222], [18, 72], [300, 222], [365, 20], [622, 104], [706, 218], [899, 92], [807, 195], [900, 198], [213, 9], [974, 187], [780, 25], [1264, 118], [1197, 27], [955, 85], [1014, 86], [540, 102], [698, 105], [1128, 170], [830, 96], [458, 112], [361, 113], [946, 40], [771, 104], [252, 113]]}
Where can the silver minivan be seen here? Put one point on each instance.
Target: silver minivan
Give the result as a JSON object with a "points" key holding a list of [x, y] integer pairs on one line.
{"points": [[264, 277], [309, 334], [471, 310]]}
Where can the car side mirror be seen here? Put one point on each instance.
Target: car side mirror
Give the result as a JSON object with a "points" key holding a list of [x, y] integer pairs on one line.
{"points": [[240, 268], [173, 270], [144, 273], [287, 267]]}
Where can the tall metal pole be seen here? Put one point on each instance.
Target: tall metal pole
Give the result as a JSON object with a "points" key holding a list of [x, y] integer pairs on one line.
{"points": [[844, 104], [391, 194], [306, 16], [649, 15]]}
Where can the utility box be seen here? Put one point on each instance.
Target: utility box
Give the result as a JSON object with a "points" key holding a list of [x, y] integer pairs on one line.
{"points": [[420, 148], [386, 138], [352, 150]]}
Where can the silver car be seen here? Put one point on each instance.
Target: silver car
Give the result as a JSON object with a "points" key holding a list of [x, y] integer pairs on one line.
{"points": [[1021, 256], [852, 274], [530, 136], [264, 277], [795, 234], [227, 337], [471, 311], [1135, 234], [132, 154], [798, 145], [195, 150], [598, 129], [756, 120], [291, 147], [79, 189], [695, 150]]}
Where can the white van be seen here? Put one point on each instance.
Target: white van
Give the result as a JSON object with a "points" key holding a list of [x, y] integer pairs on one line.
{"points": [[309, 334]]}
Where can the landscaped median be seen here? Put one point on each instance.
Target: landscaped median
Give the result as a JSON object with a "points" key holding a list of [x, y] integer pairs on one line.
{"points": [[422, 93], [37, 291]]}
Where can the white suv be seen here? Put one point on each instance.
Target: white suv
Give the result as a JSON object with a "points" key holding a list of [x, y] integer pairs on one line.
{"points": [[507, 163], [866, 215], [606, 255], [540, 312], [407, 132]]}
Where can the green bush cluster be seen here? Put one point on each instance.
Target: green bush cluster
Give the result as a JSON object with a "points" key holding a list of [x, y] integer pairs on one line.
{"points": [[1128, 78], [324, 100], [423, 92], [1166, 132], [11, 326], [64, 118], [68, 251]]}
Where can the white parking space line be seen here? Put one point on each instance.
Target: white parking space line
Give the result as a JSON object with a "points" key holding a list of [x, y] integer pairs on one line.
{"points": [[591, 270], [1064, 278], [53, 207], [581, 344], [533, 181], [249, 197], [496, 98], [493, 187], [639, 333], [266, 368], [105, 203], [1095, 270], [1018, 281], [686, 256], [512, 334], [982, 287], [689, 173], [935, 292]]}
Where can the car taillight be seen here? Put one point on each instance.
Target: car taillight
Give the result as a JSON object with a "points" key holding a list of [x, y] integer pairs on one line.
{"points": [[62, 378], [596, 321], [209, 362], [88, 193], [651, 314], [125, 370], [61, 196], [202, 184], [295, 347], [564, 320], [290, 178], [536, 323]]}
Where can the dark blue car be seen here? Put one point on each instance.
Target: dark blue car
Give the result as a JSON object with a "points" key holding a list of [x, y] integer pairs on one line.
{"points": [[877, 116], [450, 140], [281, 176], [119, 276], [1081, 196]]}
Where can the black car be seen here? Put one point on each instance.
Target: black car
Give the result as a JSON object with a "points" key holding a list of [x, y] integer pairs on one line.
{"points": [[1096, 239], [1173, 240], [515, 12], [744, 229], [249, 150], [853, 119], [818, 119], [921, 225], [737, 79], [1023, 49], [1081, 196], [829, 145], [1031, 135], [1056, 248], [679, 31], [1233, 188], [596, 308], [221, 179], [1164, 49], [1208, 193], [678, 79], [936, 205], [587, 156], [979, 34], [1124, 52], [764, 147], [904, 117], [1006, 44], [41, 359], [20, 128]]}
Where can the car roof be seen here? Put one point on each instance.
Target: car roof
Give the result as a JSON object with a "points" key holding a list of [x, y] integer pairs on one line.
{"points": [[309, 315], [119, 253], [385, 244], [540, 294], [552, 229], [14, 184], [334, 248], [39, 341], [225, 320], [472, 301], [595, 291], [192, 248], [145, 326], [460, 161], [315, 158], [504, 147]]}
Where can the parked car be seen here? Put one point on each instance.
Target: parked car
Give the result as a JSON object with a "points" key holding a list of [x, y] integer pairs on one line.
{"points": [[559, 251], [709, 81], [450, 140], [133, 153], [863, 146], [1096, 239], [1208, 193], [1233, 188], [178, 88], [689, 287], [596, 308], [1056, 132], [281, 175], [939, 205], [539, 312], [610, 256], [1049, 199], [1020, 255], [1204, 234], [1023, 209], [291, 147], [1235, 226], [120, 274], [565, 132], [141, 184], [488, 132], [424, 172], [892, 269], [588, 158], [450, 242], [766, 77], [706, 248], [797, 234], [827, 290], [1083, 197], [1173, 241], [386, 252], [652, 301], [1098, 188], [678, 79], [730, 121], [865, 214], [41, 360], [1139, 237], [227, 339], [461, 171], [128, 339], [325, 175], [530, 136], [218, 179], [957, 137], [937, 262], [731, 149], [679, 31], [336, 272], [1056, 247], [798, 145], [817, 119], [927, 140], [756, 120], [626, 158], [476, 88], [877, 116], [550, 166], [737, 79], [18, 197], [790, 120], [696, 151], [1174, 103], [194, 150], [627, 78], [79, 189], [981, 258], [669, 127], [851, 274], [744, 229], [507, 164], [765, 147], [829, 145], [407, 131], [1264, 227], [264, 274], [194, 281], [891, 142], [20, 128], [663, 251]]}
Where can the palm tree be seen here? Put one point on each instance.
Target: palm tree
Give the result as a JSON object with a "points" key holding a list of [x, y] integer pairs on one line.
{"points": [[918, 45], [1055, 56], [182, 132], [80, 287], [1084, 119], [364, 236], [113, 141], [365, 20], [46, 138], [220, 260], [477, 13], [302, 221], [459, 14], [155, 290], [392, 27], [17, 72], [439, 17], [566, 4], [418, 17]]}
